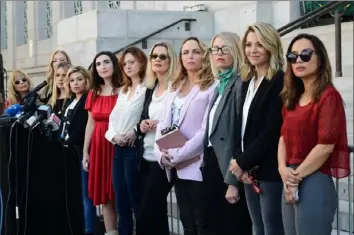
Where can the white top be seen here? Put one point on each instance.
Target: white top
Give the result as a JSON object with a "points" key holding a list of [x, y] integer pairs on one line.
{"points": [[251, 92], [155, 110], [211, 117], [176, 108], [126, 113], [71, 106]]}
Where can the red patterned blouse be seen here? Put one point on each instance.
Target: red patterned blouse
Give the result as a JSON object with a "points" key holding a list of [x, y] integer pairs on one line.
{"points": [[322, 122]]}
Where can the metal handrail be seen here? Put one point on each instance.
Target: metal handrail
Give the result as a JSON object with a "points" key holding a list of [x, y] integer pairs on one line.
{"points": [[156, 32], [308, 17], [152, 34]]}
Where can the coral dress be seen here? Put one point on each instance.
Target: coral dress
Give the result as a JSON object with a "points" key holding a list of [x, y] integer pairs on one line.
{"points": [[101, 151]]}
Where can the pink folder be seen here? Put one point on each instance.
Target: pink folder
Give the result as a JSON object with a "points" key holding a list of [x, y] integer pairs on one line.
{"points": [[173, 139]]}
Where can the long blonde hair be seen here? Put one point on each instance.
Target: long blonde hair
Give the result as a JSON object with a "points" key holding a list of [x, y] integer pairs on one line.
{"points": [[172, 68], [233, 41], [205, 77], [56, 92], [12, 95], [269, 38], [48, 90]]}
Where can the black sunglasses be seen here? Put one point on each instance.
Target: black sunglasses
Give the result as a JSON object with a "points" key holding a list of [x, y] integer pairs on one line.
{"points": [[161, 56], [215, 50], [305, 56], [17, 82]]}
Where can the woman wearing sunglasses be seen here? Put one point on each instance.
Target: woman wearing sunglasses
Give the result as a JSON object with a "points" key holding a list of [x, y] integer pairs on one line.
{"points": [[227, 204], [20, 85], [313, 145], [259, 126], [161, 67]]}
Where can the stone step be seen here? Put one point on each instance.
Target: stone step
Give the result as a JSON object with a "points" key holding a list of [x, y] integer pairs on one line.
{"points": [[334, 232], [345, 216]]}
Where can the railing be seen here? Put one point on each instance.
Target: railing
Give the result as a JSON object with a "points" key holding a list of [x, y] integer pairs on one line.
{"points": [[143, 40]]}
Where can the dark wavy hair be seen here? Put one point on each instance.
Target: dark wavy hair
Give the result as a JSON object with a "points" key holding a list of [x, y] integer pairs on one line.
{"points": [[97, 81], [294, 87], [140, 56]]}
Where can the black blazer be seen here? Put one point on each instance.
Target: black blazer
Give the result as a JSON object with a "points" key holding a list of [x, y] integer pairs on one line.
{"points": [[144, 115], [262, 130], [78, 121]]}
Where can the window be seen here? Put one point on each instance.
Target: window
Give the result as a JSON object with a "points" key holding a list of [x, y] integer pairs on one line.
{"points": [[113, 4], [25, 22], [77, 7], [48, 16], [3, 25]]}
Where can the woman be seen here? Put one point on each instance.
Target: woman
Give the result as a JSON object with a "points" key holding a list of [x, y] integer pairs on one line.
{"points": [[57, 57], [227, 204], [191, 92], [98, 152], [122, 133], [20, 85], [161, 67], [260, 120], [60, 92], [313, 146], [73, 132]]}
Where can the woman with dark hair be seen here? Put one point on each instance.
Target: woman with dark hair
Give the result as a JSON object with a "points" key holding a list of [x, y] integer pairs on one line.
{"points": [[122, 133], [97, 151], [313, 146]]}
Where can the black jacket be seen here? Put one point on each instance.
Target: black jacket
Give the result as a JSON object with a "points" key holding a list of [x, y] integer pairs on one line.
{"points": [[262, 130]]}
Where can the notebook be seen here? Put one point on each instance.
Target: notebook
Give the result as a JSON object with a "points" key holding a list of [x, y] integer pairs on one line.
{"points": [[173, 139]]}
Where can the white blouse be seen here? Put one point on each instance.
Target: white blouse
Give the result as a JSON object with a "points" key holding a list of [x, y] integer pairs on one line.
{"points": [[155, 111], [251, 92], [126, 113]]}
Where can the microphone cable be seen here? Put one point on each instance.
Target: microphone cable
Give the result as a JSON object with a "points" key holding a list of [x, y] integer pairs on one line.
{"points": [[29, 150]]}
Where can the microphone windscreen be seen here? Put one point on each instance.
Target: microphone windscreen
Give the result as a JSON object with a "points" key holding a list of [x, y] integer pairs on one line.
{"points": [[13, 110]]}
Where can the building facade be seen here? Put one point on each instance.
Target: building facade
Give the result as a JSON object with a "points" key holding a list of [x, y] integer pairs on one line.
{"points": [[32, 30]]}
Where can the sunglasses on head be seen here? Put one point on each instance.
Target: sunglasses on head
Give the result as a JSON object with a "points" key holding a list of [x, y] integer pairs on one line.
{"points": [[305, 56], [17, 82], [161, 56]]}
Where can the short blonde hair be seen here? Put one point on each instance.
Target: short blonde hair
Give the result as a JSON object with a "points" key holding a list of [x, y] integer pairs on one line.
{"points": [[205, 77], [172, 68], [269, 38], [233, 41], [84, 72], [12, 96]]}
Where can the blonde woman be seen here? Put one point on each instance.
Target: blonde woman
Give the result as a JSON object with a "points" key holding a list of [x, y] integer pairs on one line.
{"points": [[74, 120], [255, 155], [185, 106], [57, 57], [60, 92], [161, 67], [20, 85], [227, 203]]}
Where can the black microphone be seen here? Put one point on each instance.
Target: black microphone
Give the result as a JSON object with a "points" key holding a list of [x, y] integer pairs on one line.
{"points": [[44, 112], [29, 101]]}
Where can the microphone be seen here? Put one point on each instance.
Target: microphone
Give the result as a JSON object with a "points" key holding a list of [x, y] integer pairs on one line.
{"points": [[13, 110], [29, 101], [10, 114], [52, 124], [43, 112]]}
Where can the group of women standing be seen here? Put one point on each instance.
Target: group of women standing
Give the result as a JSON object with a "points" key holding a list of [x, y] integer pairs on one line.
{"points": [[262, 144]]}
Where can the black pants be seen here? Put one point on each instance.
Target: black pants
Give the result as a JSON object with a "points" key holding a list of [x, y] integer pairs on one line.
{"points": [[192, 206], [153, 214], [225, 218]]}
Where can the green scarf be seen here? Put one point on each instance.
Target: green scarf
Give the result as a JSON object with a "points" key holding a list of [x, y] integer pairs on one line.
{"points": [[224, 78]]}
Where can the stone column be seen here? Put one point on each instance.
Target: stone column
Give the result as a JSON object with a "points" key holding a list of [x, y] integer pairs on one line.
{"points": [[11, 38], [32, 32], [56, 17]]}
